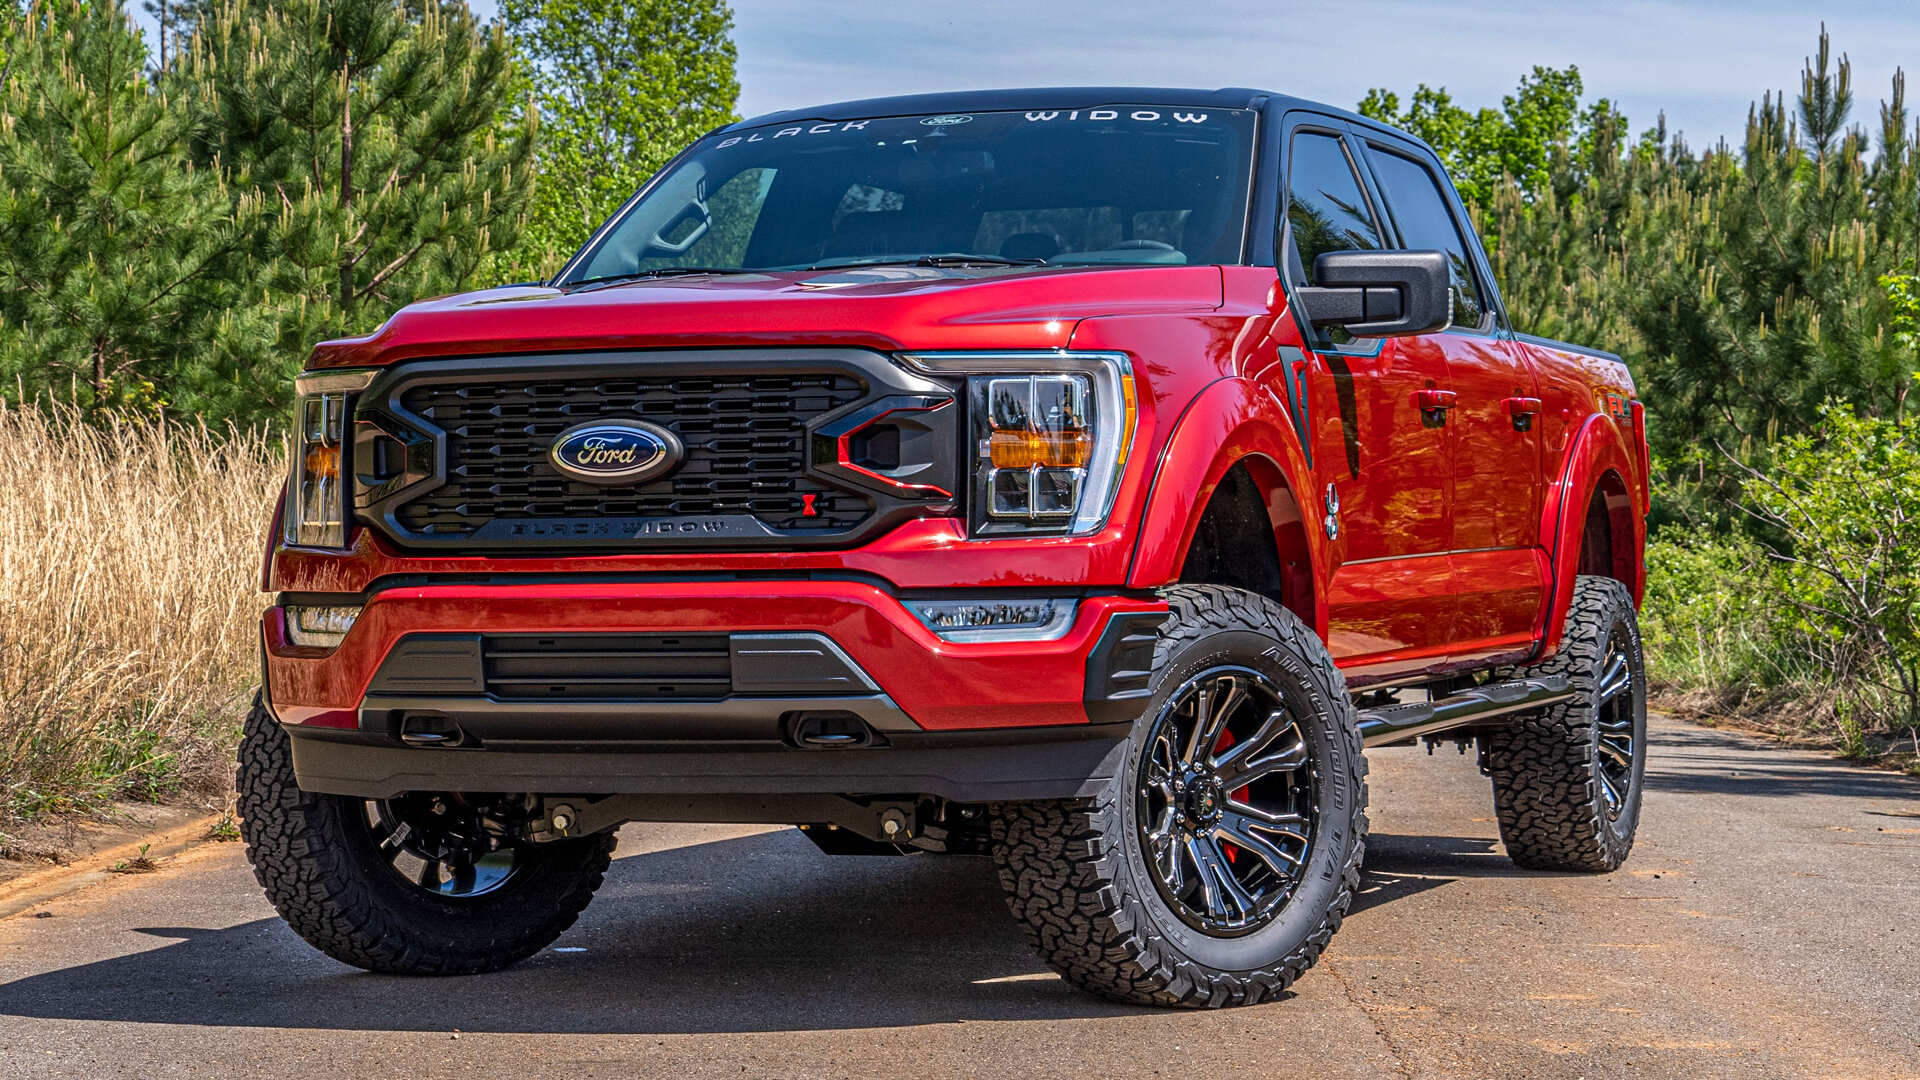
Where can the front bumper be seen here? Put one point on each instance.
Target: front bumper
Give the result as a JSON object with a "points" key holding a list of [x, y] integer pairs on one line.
{"points": [[974, 767], [971, 722]]}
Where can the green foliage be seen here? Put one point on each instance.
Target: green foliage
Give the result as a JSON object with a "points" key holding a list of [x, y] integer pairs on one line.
{"points": [[376, 131], [1536, 129], [179, 239], [1741, 284], [1709, 618], [1825, 99], [1848, 502], [1903, 302], [621, 85], [116, 250]]}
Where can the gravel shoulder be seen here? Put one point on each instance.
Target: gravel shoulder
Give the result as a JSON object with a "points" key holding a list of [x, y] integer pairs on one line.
{"points": [[1762, 928]]}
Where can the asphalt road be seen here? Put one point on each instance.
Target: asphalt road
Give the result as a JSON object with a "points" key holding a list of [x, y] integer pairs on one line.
{"points": [[1768, 925]]}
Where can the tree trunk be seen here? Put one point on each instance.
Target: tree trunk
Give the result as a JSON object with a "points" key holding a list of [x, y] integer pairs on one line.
{"points": [[346, 186], [99, 372]]}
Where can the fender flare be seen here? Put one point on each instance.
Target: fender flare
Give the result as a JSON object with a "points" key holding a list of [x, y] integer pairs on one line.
{"points": [[1233, 420], [1595, 450]]}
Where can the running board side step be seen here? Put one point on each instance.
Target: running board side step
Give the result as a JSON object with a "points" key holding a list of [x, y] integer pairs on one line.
{"points": [[1394, 723]]}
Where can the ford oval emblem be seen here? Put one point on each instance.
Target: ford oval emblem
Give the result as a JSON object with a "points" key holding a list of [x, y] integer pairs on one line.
{"points": [[615, 452], [946, 121]]}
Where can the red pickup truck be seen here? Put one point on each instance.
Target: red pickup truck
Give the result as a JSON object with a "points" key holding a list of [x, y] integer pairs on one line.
{"points": [[1079, 477]]}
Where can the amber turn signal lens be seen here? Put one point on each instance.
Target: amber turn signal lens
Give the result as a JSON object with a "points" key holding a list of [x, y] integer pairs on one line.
{"points": [[1023, 449], [322, 463]]}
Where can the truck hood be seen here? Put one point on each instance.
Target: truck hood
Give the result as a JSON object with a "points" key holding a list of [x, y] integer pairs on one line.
{"points": [[884, 308]]}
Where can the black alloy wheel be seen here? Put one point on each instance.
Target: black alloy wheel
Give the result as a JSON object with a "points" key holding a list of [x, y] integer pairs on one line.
{"points": [[1226, 797], [1217, 862], [419, 884], [1614, 724], [453, 846]]}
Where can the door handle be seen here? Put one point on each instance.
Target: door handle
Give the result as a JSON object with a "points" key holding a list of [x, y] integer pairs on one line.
{"points": [[1523, 410], [1434, 405]]}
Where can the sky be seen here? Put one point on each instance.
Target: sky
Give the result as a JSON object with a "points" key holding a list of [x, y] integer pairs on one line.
{"points": [[1702, 62]]}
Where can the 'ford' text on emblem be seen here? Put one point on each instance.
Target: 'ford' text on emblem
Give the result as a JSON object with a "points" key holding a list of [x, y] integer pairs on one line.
{"points": [[946, 121], [615, 452]]}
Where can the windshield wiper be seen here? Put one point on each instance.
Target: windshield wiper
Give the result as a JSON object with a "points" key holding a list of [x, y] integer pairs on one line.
{"points": [[955, 258], [656, 272]]}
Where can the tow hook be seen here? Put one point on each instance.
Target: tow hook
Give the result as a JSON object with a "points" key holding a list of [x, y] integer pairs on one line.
{"points": [[894, 825], [560, 822]]}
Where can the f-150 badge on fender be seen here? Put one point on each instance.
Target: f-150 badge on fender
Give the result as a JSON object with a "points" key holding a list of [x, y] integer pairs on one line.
{"points": [[615, 452]]}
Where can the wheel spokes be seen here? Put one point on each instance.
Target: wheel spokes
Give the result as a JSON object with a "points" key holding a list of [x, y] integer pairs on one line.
{"points": [[1213, 706], [1224, 850], [453, 846], [1620, 750], [1246, 834], [1615, 799], [1615, 679], [1271, 820], [1217, 883], [1243, 769]]}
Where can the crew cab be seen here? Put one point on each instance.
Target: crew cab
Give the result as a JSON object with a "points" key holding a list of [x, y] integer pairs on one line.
{"points": [[1077, 477]]}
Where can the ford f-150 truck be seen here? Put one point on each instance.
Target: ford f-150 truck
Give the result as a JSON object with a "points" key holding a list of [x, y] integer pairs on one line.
{"points": [[1076, 477]]}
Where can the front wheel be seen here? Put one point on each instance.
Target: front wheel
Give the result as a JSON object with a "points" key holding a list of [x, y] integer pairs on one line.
{"points": [[423, 884], [1217, 866]]}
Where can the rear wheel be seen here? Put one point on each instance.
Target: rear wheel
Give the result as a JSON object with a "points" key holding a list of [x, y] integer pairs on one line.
{"points": [[423, 884], [1567, 779], [1215, 868]]}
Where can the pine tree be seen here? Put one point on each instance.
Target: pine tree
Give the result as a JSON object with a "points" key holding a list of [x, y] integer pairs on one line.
{"points": [[174, 22], [622, 85], [375, 131], [1825, 99], [121, 261], [1740, 284]]}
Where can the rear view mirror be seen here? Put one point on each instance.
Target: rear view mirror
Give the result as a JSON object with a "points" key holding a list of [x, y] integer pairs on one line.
{"points": [[1379, 293]]}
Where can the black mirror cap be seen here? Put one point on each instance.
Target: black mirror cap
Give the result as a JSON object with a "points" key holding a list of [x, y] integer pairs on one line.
{"points": [[1380, 293]]}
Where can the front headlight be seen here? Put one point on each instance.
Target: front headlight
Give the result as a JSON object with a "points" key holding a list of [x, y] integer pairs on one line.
{"points": [[1050, 435], [317, 492]]}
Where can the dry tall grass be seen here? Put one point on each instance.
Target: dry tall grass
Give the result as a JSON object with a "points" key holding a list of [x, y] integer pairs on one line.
{"points": [[129, 562]]}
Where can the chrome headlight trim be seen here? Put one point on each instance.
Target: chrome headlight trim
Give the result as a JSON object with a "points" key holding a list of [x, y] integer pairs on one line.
{"points": [[339, 381], [1115, 404]]}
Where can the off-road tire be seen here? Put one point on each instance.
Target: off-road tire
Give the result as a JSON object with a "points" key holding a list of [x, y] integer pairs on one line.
{"points": [[317, 870], [1547, 792], [1074, 873]]}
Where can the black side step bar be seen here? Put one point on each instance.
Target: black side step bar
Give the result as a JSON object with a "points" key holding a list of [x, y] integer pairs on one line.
{"points": [[1393, 723]]}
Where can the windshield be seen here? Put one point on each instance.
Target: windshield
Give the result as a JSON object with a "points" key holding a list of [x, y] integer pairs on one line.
{"points": [[1121, 185]]}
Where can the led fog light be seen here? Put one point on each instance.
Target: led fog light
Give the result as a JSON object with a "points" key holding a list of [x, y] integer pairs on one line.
{"points": [[996, 620], [321, 626]]}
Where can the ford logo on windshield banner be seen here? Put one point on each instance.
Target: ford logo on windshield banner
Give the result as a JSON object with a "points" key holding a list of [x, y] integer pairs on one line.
{"points": [[615, 452]]}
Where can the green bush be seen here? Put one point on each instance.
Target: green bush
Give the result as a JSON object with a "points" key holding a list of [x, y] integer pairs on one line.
{"points": [[1710, 612], [1847, 501]]}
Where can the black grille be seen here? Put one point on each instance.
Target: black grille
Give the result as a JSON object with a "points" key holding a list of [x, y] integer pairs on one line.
{"points": [[628, 667], [745, 438]]}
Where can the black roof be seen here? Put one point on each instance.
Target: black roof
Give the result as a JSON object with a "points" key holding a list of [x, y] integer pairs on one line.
{"points": [[1046, 97]]}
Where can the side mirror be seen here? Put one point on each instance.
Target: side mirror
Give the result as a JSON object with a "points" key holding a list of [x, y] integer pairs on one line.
{"points": [[1380, 293]]}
